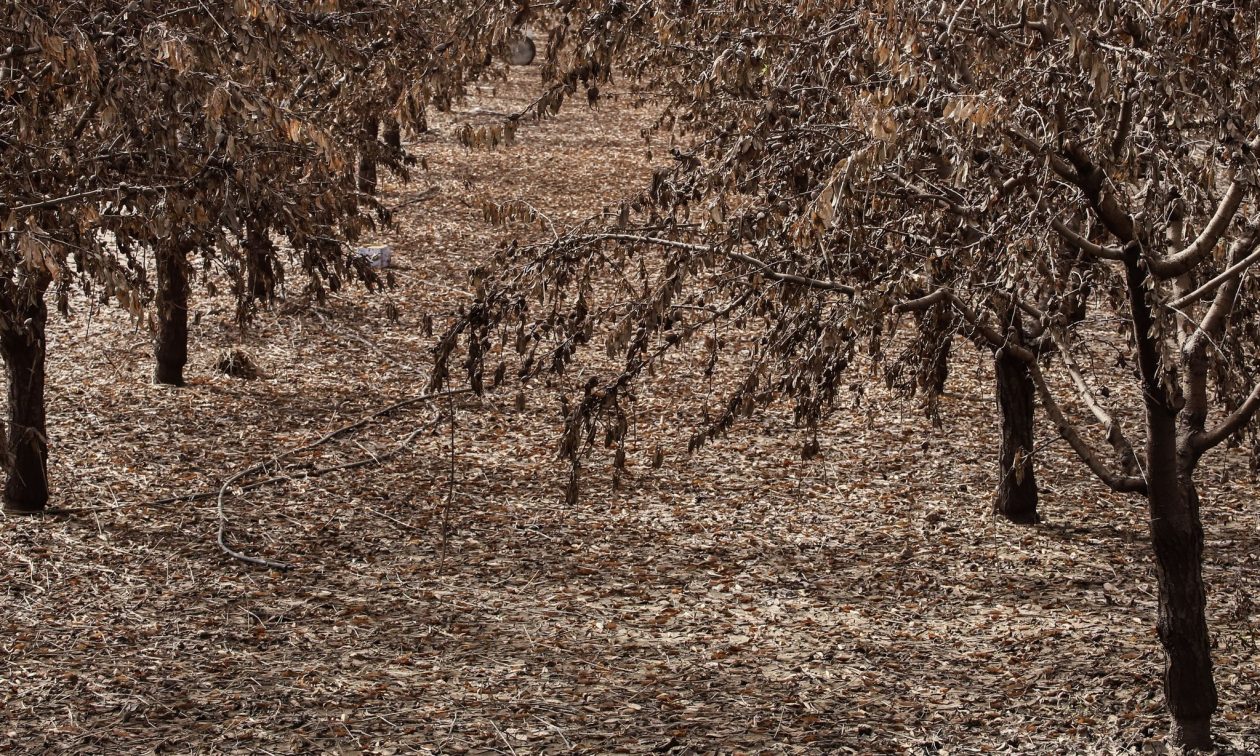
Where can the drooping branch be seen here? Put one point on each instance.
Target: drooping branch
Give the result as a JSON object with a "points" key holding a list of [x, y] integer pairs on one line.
{"points": [[762, 267], [1113, 480]]}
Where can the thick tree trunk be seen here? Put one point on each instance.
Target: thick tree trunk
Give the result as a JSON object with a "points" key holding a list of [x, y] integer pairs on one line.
{"points": [[1017, 487], [26, 489], [367, 160], [171, 344], [1177, 539]]}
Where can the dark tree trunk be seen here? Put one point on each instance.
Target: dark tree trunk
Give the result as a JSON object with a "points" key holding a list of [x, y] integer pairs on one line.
{"points": [[1017, 486], [393, 135], [1177, 540], [260, 263], [367, 159], [171, 345], [26, 489]]}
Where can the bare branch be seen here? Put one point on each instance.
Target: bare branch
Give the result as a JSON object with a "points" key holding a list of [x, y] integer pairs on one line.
{"points": [[1229, 274], [1085, 245], [1198, 250], [1115, 435], [1114, 481], [763, 268], [1236, 421]]}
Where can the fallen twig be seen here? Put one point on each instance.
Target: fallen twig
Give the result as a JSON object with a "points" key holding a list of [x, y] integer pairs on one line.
{"points": [[221, 535]]}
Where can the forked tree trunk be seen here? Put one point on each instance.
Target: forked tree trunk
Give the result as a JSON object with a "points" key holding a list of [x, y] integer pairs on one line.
{"points": [[26, 489], [1177, 540], [367, 160], [171, 342], [1017, 487]]}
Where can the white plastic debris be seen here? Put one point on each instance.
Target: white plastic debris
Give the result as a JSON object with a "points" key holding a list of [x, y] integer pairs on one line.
{"points": [[377, 257]]}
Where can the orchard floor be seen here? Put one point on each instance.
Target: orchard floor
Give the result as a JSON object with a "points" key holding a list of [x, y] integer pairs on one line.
{"points": [[738, 600]]}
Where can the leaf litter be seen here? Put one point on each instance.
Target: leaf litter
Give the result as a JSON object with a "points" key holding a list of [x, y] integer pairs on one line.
{"points": [[737, 600]]}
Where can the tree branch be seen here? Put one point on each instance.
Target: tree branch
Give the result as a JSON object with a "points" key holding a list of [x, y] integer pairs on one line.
{"points": [[1194, 253], [1229, 274], [1236, 421], [1115, 435], [1085, 245], [764, 268], [990, 335], [1119, 483]]}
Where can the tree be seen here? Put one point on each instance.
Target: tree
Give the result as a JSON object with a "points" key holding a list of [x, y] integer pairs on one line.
{"points": [[834, 167], [136, 137]]}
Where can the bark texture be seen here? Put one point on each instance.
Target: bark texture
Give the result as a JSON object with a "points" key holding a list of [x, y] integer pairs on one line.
{"points": [[1017, 486], [1177, 540], [171, 344], [26, 489]]}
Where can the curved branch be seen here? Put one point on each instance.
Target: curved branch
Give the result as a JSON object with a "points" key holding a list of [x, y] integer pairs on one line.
{"points": [[1085, 245], [991, 335], [1236, 421], [1229, 274], [764, 268], [1181, 262], [1115, 435], [1114, 481]]}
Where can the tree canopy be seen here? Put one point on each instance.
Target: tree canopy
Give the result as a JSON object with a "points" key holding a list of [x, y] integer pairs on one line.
{"points": [[999, 165]]}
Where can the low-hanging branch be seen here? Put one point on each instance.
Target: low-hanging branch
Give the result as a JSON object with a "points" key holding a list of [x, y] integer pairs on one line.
{"points": [[763, 267]]}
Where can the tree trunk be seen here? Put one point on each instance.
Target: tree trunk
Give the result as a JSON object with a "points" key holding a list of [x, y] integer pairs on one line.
{"points": [[26, 489], [1017, 486], [367, 159], [1177, 540], [259, 263], [171, 345], [393, 135]]}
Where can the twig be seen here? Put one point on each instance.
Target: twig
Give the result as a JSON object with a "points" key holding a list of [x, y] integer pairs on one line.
{"points": [[221, 536], [421, 197]]}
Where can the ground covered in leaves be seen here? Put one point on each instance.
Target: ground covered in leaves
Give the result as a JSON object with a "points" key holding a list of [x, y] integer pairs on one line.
{"points": [[739, 600]]}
